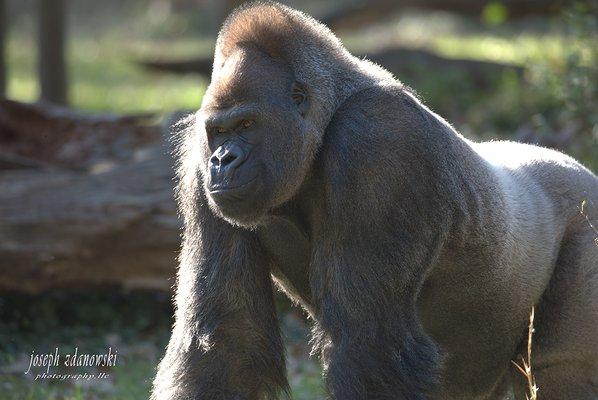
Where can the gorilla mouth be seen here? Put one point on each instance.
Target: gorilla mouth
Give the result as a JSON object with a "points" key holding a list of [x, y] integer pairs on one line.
{"points": [[241, 204], [226, 192], [222, 188]]}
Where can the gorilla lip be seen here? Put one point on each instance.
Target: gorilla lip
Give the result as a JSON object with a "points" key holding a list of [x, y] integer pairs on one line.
{"points": [[222, 190]]}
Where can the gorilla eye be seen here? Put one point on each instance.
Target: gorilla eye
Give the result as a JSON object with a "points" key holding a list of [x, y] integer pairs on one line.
{"points": [[246, 123], [220, 129]]}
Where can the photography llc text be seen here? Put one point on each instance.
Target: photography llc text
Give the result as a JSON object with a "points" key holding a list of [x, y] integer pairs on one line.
{"points": [[47, 361]]}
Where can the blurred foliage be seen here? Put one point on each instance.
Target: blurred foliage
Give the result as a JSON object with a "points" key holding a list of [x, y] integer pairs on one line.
{"points": [[64, 317], [494, 13], [555, 103], [135, 324]]}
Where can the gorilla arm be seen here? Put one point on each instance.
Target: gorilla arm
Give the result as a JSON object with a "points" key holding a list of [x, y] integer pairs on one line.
{"points": [[372, 344], [226, 341], [381, 231]]}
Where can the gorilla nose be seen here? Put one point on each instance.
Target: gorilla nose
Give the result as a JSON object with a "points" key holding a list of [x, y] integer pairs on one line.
{"points": [[225, 160]]}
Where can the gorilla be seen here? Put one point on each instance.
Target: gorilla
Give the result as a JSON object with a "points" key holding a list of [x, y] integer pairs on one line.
{"points": [[417, 253]]}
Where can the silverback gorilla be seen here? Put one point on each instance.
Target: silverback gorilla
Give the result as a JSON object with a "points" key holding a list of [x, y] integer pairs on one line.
{"points": [[417, 253]]}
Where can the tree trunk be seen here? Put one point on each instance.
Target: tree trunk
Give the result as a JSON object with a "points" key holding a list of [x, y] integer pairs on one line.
{"points": [[3, 29], [51, 42]]}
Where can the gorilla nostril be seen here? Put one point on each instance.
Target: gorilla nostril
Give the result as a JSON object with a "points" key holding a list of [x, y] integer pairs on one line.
{"points": [[228, 158], [215, 161]]}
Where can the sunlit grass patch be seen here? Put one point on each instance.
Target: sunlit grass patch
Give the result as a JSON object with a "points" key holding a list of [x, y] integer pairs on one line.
{"points": [[104, 77], [516, 50]]}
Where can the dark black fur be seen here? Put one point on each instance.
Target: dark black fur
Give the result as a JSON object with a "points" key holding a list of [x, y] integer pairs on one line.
{"points": [[396, 234]]}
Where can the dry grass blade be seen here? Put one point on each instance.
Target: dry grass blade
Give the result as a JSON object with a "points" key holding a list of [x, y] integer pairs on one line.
{"points": [[526, 364], [582, 210]]}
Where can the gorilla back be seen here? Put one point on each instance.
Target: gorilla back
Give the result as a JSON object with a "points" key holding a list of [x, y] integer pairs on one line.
{"points": [[417, 253]]}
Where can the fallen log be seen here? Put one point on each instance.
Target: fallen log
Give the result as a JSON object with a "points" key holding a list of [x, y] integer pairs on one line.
{"points": [[84, 200], [403, 62], [411, 64]]}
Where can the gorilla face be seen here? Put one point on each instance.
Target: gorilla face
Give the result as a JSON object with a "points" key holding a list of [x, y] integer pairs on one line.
{"points": [[257, 144]]}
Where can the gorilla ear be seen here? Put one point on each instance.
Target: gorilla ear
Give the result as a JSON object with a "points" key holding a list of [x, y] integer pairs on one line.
{"points": [[300, 97]]}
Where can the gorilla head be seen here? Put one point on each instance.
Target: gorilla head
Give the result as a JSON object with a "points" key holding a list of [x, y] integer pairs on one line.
{"points": [[272, 95], [257, 141]]}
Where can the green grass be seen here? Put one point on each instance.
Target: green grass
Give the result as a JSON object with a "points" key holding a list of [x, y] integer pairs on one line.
{"points": [[104, 77], [135, 324], [517, 50], [132, 380]]}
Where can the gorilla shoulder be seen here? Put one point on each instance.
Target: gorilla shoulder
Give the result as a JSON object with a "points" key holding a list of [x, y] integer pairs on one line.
{"points": [[514, 155], [551, 169], [372, 125]]}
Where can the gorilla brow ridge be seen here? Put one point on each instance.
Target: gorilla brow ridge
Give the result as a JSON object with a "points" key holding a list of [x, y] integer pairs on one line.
{"points": [[311, 50]]}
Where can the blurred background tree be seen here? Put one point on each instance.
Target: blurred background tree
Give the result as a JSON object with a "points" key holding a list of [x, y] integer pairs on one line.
{"points": [[88, 231], [52, 25], [3, 23]]}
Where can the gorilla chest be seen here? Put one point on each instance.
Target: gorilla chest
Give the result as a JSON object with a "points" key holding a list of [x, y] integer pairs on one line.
{"points": [[289, 249]]}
